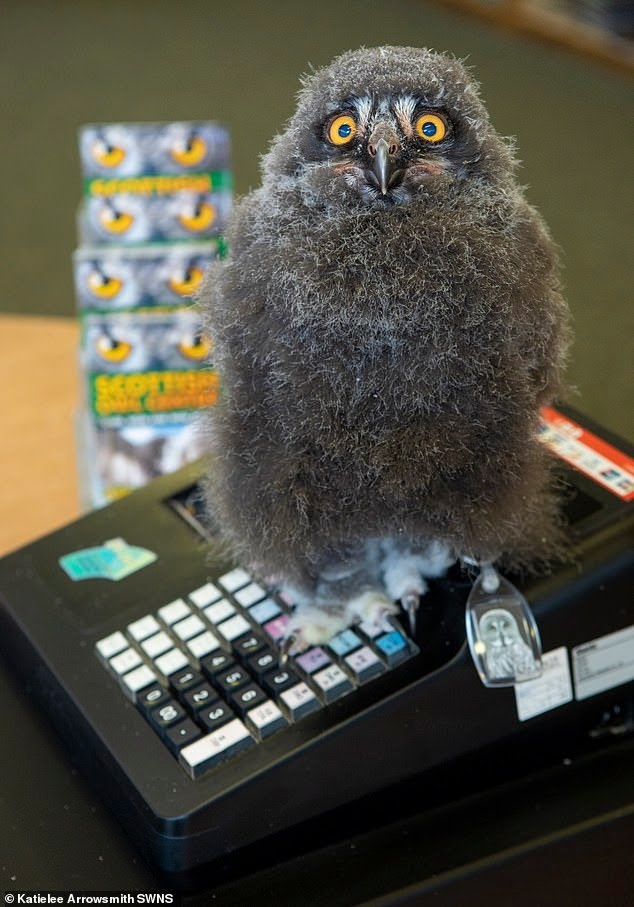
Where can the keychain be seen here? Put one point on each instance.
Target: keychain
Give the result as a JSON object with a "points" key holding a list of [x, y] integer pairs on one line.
{"points": [[501, 630]]}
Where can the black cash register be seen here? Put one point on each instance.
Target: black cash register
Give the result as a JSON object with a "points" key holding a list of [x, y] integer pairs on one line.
{"points": [[158, 661]]}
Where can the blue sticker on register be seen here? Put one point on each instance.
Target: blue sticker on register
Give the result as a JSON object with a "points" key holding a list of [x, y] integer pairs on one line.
{"points": [[114, 560]]}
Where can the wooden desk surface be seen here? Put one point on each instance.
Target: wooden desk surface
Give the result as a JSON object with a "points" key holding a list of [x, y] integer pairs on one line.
{"points": [[38, 399]]}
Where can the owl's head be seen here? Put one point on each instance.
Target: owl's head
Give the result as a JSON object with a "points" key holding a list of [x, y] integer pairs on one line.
{"points": [[388, 125]]}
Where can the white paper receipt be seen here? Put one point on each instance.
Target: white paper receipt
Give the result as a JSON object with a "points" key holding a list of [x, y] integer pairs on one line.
{"points": [[552, 689], [603, 663]]}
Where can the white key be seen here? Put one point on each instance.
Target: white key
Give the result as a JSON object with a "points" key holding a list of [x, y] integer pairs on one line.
{"points": [[143, 627], [138, 679], [333, 682], [125, 661], [364, 664], [300, 700], [235, 579], [202, 645], [370, 629], [206, 595], [157, 644], [214, 748], [265, 719], [189, 627], [112, 645], [249, 595], [173, 612], [234, 627], [171, 662], [220, 611]]}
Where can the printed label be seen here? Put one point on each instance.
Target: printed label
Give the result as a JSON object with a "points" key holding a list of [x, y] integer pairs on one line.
{"points": [[603, 663], [114, 560], [552, 689], [588, 453]]}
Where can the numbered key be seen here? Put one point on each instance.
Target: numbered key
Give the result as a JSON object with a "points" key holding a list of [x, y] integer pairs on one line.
{"points": [[169, 713], [247, 698], [215, 715], [215, 748], [200, 697], [276, 681]]}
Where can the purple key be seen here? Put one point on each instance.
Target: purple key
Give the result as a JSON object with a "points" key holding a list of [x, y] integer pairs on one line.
{"points": [[313, 660]]}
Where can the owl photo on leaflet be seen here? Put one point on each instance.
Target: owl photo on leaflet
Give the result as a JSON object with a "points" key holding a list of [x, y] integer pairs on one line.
{"points": [[387, 324]]}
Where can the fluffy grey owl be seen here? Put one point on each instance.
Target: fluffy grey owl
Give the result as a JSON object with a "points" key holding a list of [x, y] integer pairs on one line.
{"points": [[386, 325]]}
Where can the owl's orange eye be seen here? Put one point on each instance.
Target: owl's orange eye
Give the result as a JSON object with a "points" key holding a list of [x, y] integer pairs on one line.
{"points": [[111, 349], [196, 347], [342, 130], [431, 127]]}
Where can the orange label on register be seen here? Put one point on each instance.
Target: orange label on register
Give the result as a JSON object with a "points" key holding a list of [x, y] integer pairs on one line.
{"points": [[588, 453]]}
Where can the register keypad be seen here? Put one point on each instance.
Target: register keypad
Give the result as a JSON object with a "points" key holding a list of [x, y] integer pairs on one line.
{"points": [[204, 669]]}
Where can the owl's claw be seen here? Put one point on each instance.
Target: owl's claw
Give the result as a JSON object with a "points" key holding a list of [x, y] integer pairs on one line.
{"points": [[410, 602], [285, 649]]}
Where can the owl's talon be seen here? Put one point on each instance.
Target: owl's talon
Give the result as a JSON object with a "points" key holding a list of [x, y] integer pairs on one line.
{"points": [[286, 648], [410, 603]]}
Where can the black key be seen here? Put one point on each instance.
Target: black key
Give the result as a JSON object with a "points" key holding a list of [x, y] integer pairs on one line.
{"points": [[215, 663], [165, 715], [231, 679], [263, 662], [247, 645], [185, 680], [247, 698], [216, 715], [179, 735], [276, 681], [152, 697], [200, 697]]}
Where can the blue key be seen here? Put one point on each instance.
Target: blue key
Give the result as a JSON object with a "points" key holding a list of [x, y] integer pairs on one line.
{"points": [[393, 647], [264, 611], [345, 642]]}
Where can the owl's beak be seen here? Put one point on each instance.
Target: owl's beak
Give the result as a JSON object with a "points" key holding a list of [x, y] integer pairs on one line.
{"points": [[384, 168]]}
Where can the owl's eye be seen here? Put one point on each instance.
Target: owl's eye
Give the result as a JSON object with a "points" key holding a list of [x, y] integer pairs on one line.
{"points": [[342, 130], [196, 346], [103, 286], [111, 349], [188, 283], [190, 152], [431, 127]]}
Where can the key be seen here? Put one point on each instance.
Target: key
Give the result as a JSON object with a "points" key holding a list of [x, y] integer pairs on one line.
{"points": [[276, 681], [333, 682], [345, 642], [111, 645], [171, 662], [200, 697], [265, 611], [125, 661], [179, 735], [215, 748], [219, 611], [263, 662], [215, 663], [156, 645], [145, 626], [247, 698], [206, 595], [174, 612], [166, 714], [300, 700], [234, 580], [249, 595], [215, 715], [138, 679], [393, 647], [234, 627], [202, 645], [189, 627], [185, 680], [152, 697], [265, 719], [230, 679], [247, 645], [364, 664], [313, 660]]}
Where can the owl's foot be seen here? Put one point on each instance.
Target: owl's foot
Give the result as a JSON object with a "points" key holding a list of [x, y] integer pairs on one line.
{"points": [[404, 573], [312, 625]]}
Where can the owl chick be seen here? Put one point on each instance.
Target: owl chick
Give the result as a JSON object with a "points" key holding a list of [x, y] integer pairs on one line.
{"points": [[387, 325]]}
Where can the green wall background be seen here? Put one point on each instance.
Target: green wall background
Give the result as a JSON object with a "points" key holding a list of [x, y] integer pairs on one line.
{"points": [[66, 63]]}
